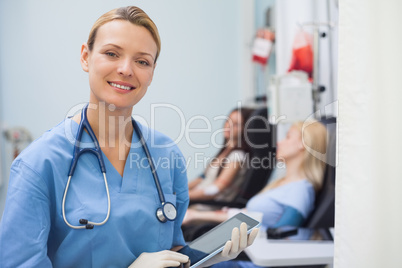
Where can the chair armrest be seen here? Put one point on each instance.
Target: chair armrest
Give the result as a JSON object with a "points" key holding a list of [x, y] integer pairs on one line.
{"points": [[281, 232]]}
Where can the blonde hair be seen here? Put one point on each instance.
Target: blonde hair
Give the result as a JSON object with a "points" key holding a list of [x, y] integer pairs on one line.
{"points": [[133, 14], [314, 138]]}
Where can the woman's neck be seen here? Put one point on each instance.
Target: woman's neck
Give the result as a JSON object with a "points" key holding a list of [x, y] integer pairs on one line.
{"points": [[112, 127], [294, 170]]}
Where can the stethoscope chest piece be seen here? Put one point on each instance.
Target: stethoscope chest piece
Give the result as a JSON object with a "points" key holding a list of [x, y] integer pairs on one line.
{"points": [[166, 212]]}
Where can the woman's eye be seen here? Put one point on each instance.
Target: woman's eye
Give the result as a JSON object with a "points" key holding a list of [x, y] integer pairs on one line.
{"points": [[142, 62], [111, 54]]}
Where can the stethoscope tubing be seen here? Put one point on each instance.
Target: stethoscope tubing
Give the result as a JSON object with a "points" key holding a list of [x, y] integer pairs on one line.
{"points": [[78, 152], [151, 162], [88, 223], [98, 153]]}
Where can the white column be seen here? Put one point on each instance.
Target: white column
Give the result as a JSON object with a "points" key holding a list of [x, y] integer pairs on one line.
{"points": [[368, 208]]}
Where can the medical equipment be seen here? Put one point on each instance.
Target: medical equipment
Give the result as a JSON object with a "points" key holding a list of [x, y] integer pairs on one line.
{"points": [[19, 137], [167, 211]]}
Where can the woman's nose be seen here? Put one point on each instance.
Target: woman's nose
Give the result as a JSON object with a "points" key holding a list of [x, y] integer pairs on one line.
{"points": [[125, 68]]}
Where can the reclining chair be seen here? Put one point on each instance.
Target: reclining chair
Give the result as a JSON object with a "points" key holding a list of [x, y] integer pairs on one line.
{"points": [[323, 216]]}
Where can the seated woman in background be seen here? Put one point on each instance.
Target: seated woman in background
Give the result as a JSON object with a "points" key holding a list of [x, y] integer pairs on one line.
{"points": [[289, 200], [224, 174]]}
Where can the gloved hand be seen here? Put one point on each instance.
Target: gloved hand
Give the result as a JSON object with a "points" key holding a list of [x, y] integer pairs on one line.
{"points": [[239, 241], [161, 259]]}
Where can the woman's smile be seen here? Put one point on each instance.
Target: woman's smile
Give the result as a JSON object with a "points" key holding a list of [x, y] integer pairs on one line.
{"points": [[122, 85]]}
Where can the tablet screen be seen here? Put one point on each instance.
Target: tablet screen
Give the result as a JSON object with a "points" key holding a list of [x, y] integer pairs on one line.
{"points": [[214, 240]]}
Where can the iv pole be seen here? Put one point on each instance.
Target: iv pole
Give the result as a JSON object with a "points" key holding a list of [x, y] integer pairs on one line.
{"points": [[317, 89]]}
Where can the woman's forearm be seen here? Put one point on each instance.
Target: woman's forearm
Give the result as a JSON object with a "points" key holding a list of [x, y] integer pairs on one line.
{"points": [[192, 184], [199, 194]]}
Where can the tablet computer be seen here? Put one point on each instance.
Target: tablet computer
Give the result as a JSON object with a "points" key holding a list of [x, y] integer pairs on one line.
{"points": [[211, 243]]}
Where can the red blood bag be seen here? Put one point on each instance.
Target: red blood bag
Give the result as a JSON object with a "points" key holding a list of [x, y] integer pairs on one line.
{"points": [[302, 54], [262, 46]]}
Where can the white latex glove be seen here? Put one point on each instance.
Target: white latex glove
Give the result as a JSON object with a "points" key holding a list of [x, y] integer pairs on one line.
{"points": [[240, 240], [161, 259]]}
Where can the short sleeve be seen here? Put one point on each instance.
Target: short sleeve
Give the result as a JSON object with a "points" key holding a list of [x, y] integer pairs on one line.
{"points": [[25, 224], [300, 196], [237, 156]]}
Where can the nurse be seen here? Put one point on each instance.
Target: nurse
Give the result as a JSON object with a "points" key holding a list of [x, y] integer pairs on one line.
{"points": [[120, 57]]}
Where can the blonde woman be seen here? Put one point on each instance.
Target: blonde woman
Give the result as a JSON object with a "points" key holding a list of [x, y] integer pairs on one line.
{"points": [[55, 217], [289, 200]]}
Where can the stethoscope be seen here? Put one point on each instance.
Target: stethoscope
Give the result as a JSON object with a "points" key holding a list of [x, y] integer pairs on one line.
{"points": [[167, 211]]}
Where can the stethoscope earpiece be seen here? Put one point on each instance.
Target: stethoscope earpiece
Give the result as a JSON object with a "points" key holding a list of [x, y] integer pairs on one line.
{"points": [[87, 225]]}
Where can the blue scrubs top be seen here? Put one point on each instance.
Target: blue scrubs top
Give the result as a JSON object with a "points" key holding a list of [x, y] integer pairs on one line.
{"points": [[33, 232]]}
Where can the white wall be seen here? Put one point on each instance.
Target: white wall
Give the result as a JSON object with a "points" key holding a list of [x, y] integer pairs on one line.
{"points": [[263, 74], [200, 69], [368, 214]]}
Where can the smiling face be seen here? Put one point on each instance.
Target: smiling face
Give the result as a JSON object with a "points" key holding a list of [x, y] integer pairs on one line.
{"points": [[121, 64], [291, 146]]}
